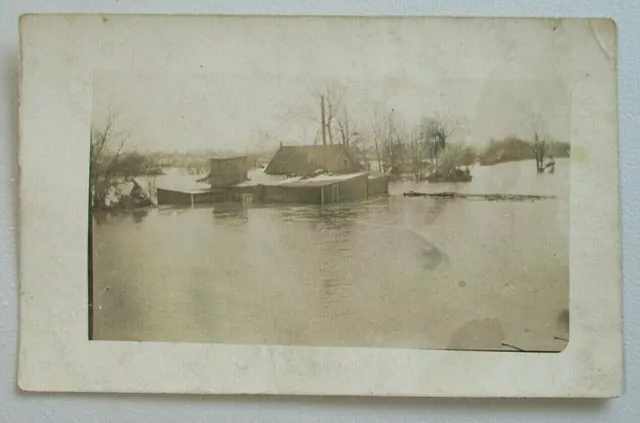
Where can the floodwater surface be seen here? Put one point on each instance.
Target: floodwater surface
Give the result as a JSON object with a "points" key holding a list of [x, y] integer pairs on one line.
{"points": [[405, 272]]}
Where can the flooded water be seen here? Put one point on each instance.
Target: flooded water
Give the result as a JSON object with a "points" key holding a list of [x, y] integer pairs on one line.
{"points": [[390, 272]]}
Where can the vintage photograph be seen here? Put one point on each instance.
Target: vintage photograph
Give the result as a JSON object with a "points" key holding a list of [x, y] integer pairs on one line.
{"points": [[341, 206], [308, 210]]}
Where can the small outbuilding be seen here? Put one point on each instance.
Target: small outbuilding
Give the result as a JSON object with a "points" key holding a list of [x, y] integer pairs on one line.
{"points": [[227, 171]]}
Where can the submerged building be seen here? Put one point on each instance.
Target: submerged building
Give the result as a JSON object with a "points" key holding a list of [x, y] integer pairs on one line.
{"points": [[295, 175], [321, 189], [228, 171]]}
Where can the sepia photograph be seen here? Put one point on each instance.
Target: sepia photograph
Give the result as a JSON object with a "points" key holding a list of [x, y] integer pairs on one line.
{"points": [[309, 205], [388, 211]]}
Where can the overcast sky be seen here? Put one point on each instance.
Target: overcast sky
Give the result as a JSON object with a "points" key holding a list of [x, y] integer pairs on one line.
{"points": [[477, 73], [181, 113]]}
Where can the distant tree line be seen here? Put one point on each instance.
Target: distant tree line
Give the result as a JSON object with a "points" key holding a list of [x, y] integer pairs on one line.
{"points": [[384, 141], [512, 149]]}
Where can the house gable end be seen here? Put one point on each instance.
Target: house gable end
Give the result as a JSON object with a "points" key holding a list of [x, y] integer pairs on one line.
{"points": [[301, 160]]}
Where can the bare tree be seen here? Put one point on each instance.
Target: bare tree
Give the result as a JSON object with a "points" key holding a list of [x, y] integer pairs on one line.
{"points": [[377, 132], [436, 132], [327, 109], [361, 148], [418, 149], [347, 130], [349, 134], [339, 125], [107, 144], [396, 139], [540, 144]]}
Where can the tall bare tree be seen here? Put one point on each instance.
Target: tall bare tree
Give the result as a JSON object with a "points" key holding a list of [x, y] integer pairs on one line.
{"points": [[376, 133], [380, 131], [418, 149], [397, 138], [107, 144], [347, 130], [339, 125], [350, 135], [327, 109]]}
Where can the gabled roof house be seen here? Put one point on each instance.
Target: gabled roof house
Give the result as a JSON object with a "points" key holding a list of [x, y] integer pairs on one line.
{"points": [[304, 160]]}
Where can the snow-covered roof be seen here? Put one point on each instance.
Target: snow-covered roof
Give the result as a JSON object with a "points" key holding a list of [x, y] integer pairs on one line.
{"points": [[320, 180], [260, 178], [183, 183]]}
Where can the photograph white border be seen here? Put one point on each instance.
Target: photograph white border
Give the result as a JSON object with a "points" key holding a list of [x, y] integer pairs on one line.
{"points": [[59, 54]]}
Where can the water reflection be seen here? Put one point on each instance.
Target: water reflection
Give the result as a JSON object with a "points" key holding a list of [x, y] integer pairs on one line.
{"points": [[139, 215], [338, 218], [231, 211], [100, 217], [103, 217], [437, 206]]}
